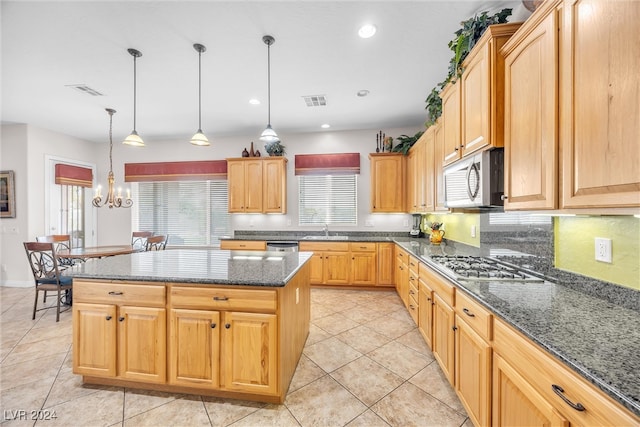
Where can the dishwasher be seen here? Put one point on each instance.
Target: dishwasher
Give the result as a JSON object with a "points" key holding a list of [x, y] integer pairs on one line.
{"points": [[283, 246]]}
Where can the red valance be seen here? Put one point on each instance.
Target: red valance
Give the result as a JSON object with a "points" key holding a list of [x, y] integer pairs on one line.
{"points": [[207, 170], [73, 175], [328, 164]]}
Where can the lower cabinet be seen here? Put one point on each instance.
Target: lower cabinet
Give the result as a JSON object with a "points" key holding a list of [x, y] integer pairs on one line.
{"points": [[363, 263], [443, 336], [330, 262], [402, 275], [385, 264], [425, 318], [246, 245]]}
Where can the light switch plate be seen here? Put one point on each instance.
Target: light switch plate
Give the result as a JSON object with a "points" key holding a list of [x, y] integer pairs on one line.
{"points": [[603, 249]]}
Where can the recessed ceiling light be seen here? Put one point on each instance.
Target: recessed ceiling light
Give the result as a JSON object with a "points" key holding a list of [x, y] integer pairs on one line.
{"points": [[362, 93], [254, 101], [325, 126], [367, 30]]}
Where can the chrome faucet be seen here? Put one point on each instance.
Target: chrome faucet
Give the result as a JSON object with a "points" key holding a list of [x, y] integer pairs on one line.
{"points": [[326, 230]]}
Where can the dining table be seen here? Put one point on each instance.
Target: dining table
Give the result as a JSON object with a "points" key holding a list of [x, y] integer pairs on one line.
{"points": [[96, 252]]}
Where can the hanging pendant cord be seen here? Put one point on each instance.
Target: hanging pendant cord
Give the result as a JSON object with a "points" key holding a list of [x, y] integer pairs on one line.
{"points": [[199, 90], [134, 92], [269, 82], [110, 141]]}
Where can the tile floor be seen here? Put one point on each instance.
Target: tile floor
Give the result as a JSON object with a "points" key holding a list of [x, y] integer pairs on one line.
{"points": [[364, 364]]}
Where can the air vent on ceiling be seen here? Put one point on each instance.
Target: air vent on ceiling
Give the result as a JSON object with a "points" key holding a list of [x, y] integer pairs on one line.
{"points": [[85, 89], [315, 100]]}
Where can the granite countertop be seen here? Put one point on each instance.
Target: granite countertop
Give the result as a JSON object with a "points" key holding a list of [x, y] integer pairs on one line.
{"points": [[196, 266], [596, 338], [300, 237]]}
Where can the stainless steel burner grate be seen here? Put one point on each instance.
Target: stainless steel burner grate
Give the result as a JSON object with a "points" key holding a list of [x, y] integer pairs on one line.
{"points": [[481, 268]]}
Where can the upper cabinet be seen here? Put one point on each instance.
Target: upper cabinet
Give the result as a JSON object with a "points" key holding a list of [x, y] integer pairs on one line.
{"points": [[472, 108], [420, 174], [600, 103], [257, 185], [387, 182]]}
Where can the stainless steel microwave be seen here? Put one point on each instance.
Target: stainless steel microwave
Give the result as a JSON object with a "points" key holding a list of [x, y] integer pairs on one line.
{"points": [[475, 181]]}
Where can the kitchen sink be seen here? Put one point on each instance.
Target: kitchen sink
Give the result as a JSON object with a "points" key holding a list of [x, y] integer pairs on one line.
{"points": [[325, 238]]}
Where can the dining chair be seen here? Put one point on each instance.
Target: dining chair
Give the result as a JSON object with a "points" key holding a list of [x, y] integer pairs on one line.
{"points": [[139, 239], [60, 241], [157, 243], [44, 265]]}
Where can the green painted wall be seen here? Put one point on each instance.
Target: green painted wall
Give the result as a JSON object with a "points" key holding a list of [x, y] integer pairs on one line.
{"points": [[575, 247], [457, 227]]}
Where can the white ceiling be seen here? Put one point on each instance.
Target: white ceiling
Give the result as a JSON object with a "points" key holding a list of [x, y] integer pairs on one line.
{"points": [[51, 44]]}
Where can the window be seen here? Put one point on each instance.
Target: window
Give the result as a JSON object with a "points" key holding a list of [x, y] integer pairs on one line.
{"points": [[328, 199], [192, 213], [72, 213]]}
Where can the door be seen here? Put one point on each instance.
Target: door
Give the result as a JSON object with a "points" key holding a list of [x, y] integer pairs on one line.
{"points": [[249, 352], [274, 185], [443, 337], [387, 183], [316, 268], [253, 186], [236, 185], [451, 122], [425, 320], [337, 268], [94, 327], [475, 102], [363, 268], [142, 346], [385, 264], [194, 348]]}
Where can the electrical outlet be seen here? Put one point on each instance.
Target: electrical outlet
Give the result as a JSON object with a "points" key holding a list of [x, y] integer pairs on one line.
{"points": [[405, 223], [251, 224], [368, 223], [603, 249], [473, 231]]}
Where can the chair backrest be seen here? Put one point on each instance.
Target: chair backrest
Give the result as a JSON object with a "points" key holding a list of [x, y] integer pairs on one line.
{"points": [[43, 261], [60, 241], [157, 243], [139, 239]]}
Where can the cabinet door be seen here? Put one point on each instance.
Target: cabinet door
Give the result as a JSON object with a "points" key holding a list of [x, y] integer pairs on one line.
{"points": [[363, 268], [236, 185], [438, 175], [316, 268], [473, 373], [337, 268], [531, 153], [425, 321], [94, 338], [385, 264], [253, 186], [274, 185], [142, 346], [443, 337], [451, 122], [475, 102], [516, 403], [387, 183], [428, 174], [249, 352], [412, 180], [600, 107], [194, 344], [402, 281]]}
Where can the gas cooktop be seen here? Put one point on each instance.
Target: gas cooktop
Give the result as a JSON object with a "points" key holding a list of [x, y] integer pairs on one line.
{"points": [[481, 268]]}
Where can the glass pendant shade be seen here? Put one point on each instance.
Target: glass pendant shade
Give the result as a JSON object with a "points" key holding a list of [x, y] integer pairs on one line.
{"points": [[134, 140], [199, 138], [269, 135]]}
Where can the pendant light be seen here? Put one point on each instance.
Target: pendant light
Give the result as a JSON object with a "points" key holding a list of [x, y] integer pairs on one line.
{"points": [[269, 135], [134, 139], [199, 138]]}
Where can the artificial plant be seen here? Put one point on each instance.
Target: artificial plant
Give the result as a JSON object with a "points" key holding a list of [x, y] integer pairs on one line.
{"points": [[405, 142]]}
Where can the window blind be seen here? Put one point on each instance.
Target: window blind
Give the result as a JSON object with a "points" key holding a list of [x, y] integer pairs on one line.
{"points": [[192, 213], [328, 199]]}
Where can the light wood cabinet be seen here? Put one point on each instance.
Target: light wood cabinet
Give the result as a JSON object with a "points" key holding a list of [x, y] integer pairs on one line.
{"points": [[420, 174], [600, 104], [243, 245], [425, 320], [363, 263], [249, 357], [450, 122], [386, 264], [438, 160], [330, 263], [119, 340], [387, 182], [402, 275], [444, 337], [257, 185], [531, 118]]}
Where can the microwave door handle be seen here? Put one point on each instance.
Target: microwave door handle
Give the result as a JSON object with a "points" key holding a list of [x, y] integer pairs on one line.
{"points": [[473, 193]]}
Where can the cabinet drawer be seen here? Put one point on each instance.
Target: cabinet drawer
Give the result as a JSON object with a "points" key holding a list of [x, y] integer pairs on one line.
{"points": [[543, 372], [402, 254], [414, 264], [223, 299], [476, 316], [413, 307], [119, 293], [362, 247], [324, 246], [439, 284], [413, 288], [247, 245]]}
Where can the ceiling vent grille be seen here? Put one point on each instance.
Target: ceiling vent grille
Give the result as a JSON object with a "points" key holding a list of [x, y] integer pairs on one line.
{"points": [[85, 89], [315, 100]]}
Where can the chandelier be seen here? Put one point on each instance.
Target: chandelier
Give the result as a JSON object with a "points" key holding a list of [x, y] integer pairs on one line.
{"points": [[112, 200]]}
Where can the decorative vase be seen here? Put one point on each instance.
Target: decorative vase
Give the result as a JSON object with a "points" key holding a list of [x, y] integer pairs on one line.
{"points": [[245, 153], [251, 152], [436, 237]]}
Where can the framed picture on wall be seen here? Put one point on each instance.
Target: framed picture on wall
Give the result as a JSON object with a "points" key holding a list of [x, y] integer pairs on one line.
{"points": [[7, 195]]}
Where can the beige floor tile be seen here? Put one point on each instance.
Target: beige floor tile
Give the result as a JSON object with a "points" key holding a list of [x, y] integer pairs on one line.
{"points": [[335, 323], [188, 411], [331, 354], [324, 403], [102, 408], [400, 359], [363, 339], [432, 380], [362, 313], [410, 406], [139, 401], [414, 340], [47, 331], [368, 419], [270, 415], [223, 412], [68, 386], [390, 326], [27, 397], [38, 349], [318, 311], [367, 380], [306, 372], [44, 369], [341, 303], [316, 335], [403, 315]]}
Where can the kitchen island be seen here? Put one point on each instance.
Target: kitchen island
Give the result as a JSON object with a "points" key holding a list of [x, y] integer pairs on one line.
{"points": [[209, 322]]}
